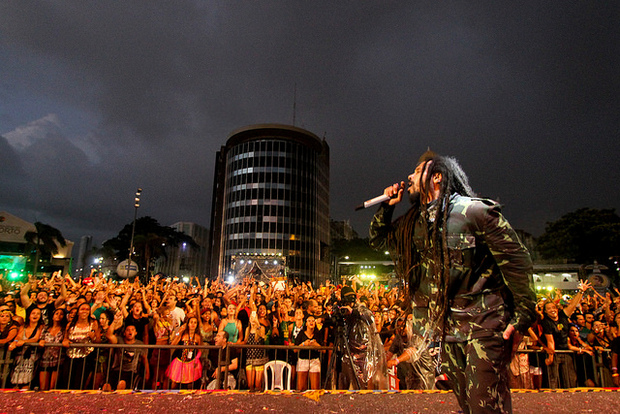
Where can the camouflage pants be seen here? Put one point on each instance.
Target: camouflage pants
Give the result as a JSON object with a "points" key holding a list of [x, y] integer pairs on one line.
{"points": [[478, 372]]}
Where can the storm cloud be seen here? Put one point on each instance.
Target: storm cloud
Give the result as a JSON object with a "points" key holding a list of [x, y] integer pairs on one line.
{"points": [[98, 98]]}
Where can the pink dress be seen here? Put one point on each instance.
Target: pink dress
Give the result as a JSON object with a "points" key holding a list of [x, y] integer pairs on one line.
{"points": [[187, 368]]}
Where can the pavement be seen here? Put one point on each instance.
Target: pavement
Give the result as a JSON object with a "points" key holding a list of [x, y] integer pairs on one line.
{"points": [[581, 400]]}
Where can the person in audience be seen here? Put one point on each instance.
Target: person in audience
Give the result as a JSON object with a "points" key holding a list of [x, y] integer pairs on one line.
{"points": [[52, 357], [137, 317], [79, 366], [308, 362], [256, 359], [24, 349], [8, 328], [600, 342], [127, 361], [164, 328], [583, 354], [154, 309], [186, 367], [555, 327], [220, 365], [232, 325]]}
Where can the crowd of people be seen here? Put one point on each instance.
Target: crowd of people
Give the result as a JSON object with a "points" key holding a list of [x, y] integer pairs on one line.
{"points": [[42, 321]]}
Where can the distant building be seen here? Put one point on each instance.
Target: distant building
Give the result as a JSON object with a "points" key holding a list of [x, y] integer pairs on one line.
{"points": [[342, 230], [16, 259], [270, 201], [185, 260], [82, 267]]}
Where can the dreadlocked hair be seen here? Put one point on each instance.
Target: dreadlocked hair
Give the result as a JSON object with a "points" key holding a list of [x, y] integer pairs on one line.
{"points": [[453, 181]]}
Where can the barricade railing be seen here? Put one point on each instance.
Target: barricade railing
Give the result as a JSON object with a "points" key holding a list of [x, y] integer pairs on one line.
{"points": [[112, 363], [107, 364], [569, 369]]}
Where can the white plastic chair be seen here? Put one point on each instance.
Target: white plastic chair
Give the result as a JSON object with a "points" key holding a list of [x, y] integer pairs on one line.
{"points": [[280, 374]]}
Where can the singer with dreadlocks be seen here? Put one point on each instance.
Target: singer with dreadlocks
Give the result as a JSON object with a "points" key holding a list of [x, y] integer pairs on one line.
{"points": [[469, 277]]}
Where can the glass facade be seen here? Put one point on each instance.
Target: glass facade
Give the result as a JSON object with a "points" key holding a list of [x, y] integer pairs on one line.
{"points": [[275, 199]]}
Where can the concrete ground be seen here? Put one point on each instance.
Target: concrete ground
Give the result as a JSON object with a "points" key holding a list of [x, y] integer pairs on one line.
{"points": [[183, 402]]}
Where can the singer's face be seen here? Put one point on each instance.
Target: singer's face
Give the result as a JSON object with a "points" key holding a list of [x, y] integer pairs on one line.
{"points": [[420, 176], [414, 180]]}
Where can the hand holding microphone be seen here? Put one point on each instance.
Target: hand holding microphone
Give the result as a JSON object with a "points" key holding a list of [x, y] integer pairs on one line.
{"points": [[393, 194]]}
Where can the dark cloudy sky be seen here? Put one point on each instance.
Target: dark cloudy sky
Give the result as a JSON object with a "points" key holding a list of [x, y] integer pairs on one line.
{"points": [[98, 98]]}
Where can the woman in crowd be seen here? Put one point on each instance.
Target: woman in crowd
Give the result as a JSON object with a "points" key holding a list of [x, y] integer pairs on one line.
{"points": [[83, 329], [256, 358], [207, 329], [576, 344], [52, 335], [207, 326], [294, 329], [583, 358], [263, 319], [281, 322], [598, 338], [163, 329], [232, 325], [25, 353], [308, 363], [186, 368], [217, 305], [72, 311], [8, 328], [100, 303], [103, 354]]}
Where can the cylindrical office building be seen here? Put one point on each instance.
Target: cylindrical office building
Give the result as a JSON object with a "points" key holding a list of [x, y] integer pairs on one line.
{"points": [[271, 203]]}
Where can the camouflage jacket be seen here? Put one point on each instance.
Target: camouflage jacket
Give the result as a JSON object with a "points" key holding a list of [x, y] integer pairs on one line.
{"points": [[490, 271]]}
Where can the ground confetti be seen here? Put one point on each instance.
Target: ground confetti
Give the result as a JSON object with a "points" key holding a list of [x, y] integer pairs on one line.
{"points": [[314, 395]]}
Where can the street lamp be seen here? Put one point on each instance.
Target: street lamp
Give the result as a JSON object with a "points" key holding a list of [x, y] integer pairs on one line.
{"points": [[133, 228]]}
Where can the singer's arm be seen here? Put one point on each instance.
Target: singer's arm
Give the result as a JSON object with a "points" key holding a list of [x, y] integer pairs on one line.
{"points": [[381, 226]]}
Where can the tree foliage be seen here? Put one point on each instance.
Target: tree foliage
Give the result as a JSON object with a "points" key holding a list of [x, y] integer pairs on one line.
{"points": [[583, 236], [44, 240], [356, 249], [150, 241]]}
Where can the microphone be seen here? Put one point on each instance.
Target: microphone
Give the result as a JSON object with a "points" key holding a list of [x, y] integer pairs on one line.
{"points": [[374, 201]]}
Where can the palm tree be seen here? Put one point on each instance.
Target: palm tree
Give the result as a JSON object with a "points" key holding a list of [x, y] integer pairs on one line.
{"points": [[44, 239]]}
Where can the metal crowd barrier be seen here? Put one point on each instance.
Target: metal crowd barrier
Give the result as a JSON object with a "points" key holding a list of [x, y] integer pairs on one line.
{"points": [[96, 370], [573, 370]]}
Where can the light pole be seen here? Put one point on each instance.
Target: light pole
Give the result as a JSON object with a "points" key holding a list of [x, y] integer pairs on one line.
{"points": [[133, 228]]}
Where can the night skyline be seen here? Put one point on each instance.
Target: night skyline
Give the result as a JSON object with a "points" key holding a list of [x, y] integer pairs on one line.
{"points": [[100, 98]]}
